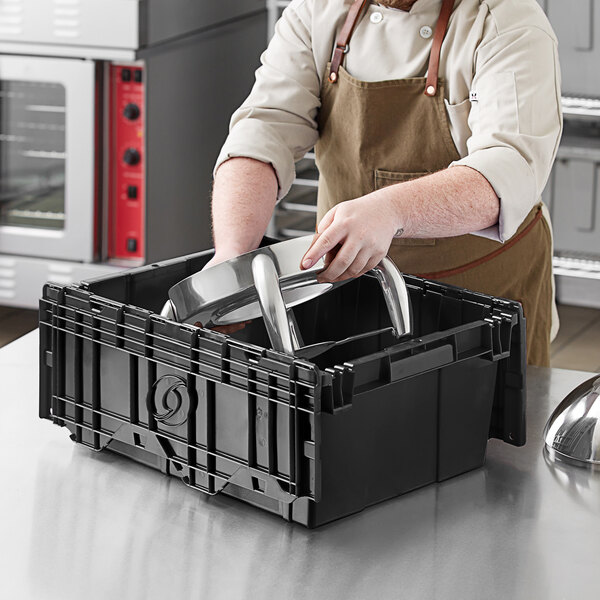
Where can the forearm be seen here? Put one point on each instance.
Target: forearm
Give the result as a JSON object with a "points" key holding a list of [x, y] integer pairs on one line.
{"points": [[448, 203], [452, 202], [244, 195]]}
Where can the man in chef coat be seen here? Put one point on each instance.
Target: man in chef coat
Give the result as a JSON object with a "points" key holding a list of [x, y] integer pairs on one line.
{"points": [[435, 124]]}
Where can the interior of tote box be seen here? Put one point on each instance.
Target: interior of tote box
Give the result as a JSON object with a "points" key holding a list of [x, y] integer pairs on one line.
{"points": [[352, 309]]}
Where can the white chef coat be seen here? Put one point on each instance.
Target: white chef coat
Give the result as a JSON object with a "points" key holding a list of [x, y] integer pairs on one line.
{"points": [[499, 60]]}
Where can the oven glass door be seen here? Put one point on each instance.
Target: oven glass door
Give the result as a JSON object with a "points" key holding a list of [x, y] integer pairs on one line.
{"points": [[47, 114]]}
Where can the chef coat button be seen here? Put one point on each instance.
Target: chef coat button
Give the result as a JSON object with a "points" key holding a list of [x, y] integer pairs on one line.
{"points": [[376, 17], [426, 32]]}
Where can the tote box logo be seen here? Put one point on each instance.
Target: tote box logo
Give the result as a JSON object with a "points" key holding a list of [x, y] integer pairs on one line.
{"points": [[168, 400]]}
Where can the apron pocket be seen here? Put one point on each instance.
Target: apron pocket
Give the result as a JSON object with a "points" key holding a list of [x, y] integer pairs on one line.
{"points": [[385, 178], [458, 115]]}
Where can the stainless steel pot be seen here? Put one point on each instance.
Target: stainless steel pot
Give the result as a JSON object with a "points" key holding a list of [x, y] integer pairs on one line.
{"points": [[266, 283]]}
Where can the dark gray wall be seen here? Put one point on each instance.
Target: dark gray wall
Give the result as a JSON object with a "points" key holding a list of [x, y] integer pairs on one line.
{"points": [[165, 19], [193, 88]]}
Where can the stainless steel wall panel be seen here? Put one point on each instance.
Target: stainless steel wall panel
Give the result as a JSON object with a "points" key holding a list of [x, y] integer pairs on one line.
{"points": [[114, 24], [22, 278], [578, 291], [575, 195], [102, 23], [577, 26]]}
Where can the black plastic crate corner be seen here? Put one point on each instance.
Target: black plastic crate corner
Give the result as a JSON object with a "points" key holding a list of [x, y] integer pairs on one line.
{"points": [[310, 441]]}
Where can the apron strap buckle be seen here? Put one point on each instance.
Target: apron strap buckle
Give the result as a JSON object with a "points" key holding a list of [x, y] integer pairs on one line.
{"points": [[336, 61]]}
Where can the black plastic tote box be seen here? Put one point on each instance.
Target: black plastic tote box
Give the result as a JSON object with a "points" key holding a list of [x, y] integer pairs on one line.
{"points": [[311, 441]]}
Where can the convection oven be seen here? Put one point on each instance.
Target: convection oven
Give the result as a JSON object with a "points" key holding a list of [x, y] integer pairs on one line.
{"points": [[112, 115]]}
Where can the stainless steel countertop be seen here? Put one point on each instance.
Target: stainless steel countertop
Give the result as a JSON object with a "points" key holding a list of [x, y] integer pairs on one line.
{"points": [[77, 525]]}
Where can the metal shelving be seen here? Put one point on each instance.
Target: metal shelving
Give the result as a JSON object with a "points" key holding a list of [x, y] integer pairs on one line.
{"points": [[573, 191], [296, 214], [573, 198], [587, 108]]}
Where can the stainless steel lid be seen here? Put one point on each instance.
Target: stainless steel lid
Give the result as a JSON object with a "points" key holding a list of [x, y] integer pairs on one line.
{"points": [[226, 293], [266, 283], [572, 433]]}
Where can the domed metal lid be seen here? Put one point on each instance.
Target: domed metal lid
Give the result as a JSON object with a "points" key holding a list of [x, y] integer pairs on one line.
{"points": [[572, 433]]}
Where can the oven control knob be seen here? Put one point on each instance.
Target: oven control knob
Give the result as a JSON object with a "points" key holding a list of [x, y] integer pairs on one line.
{"points": [[131, 112], [132, 156]]}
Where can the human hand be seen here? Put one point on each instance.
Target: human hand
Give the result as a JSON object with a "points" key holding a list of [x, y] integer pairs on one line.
{"points": [[220, 256], [354, 236]]}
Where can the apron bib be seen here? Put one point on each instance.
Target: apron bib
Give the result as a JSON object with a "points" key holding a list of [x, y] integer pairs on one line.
{"points": [[374, 134]]}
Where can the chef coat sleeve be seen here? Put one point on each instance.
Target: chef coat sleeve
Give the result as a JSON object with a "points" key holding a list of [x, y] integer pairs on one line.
{"points": [[515, 120], [277, 122]]}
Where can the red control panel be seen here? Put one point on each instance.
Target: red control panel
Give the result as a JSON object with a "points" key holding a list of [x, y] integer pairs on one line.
{"points": [[126, 162]]}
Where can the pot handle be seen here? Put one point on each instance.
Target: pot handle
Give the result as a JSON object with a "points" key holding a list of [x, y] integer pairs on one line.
{"points": [[168, 311], [272, 304], [396, 296]]}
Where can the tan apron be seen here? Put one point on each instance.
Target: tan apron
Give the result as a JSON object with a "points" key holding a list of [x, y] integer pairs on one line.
{"points": [[374, 134]]}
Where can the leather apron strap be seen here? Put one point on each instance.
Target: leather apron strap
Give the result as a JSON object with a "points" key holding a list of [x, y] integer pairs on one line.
{"points": [[480, 261], [343, 40], [431, 86], [354, 14]]}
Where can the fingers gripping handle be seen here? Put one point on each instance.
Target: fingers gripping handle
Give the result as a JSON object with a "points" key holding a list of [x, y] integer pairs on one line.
{"points": [[396, 296], [266, 282]]}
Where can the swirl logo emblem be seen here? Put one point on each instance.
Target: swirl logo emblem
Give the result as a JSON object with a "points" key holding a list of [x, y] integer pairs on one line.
{"points": [[173, 406]]}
